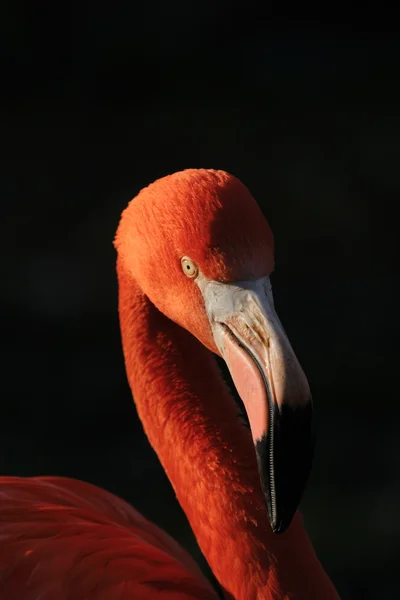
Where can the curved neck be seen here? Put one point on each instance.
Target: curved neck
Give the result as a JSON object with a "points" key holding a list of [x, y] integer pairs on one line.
{"points": [[191, 421]]}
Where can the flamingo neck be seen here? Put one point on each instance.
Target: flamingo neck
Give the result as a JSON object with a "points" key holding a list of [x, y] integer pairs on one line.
{"points": [[191, 421]]}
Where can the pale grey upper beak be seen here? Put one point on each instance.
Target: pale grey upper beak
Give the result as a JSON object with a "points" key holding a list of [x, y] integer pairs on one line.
{"points": [[247, 309]]}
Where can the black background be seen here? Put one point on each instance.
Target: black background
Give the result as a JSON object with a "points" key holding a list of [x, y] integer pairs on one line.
{"points": [[101, 99]]}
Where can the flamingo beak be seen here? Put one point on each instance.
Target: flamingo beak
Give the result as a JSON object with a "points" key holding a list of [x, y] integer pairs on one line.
{"points": [[272, 385]]}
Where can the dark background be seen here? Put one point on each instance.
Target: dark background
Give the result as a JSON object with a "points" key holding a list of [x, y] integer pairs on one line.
{"points": [[99, 101]]}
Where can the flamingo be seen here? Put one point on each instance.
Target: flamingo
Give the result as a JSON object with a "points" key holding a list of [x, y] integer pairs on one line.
{"points": [[194, 258]]}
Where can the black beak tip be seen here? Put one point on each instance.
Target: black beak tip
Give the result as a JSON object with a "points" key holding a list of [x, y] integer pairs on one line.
{"points": [[280, 526], [284, 458]]}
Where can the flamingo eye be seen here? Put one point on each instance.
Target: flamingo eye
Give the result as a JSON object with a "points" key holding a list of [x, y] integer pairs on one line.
{"points": [[189, 267]]}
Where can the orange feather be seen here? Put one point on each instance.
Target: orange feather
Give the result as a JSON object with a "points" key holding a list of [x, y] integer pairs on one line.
{"points": [[62, 539]]}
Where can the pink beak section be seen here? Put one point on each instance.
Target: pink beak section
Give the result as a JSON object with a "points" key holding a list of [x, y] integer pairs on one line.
{"points": [[249, 384], [272, 386]]}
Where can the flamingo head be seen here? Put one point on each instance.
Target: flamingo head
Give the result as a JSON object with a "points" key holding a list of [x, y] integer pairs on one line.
{"points": [[201, 250]]}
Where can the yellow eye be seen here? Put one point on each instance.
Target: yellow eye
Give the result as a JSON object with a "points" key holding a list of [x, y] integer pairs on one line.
{"points": [[188, 267]]}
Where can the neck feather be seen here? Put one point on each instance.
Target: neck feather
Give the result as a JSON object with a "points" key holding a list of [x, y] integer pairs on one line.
{"points": [[192, 423]]}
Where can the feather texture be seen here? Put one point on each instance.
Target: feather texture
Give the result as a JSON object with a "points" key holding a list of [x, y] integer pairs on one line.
{"points": [[63, 539]]}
